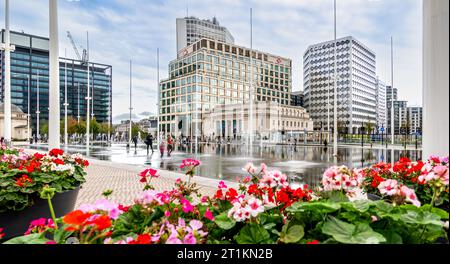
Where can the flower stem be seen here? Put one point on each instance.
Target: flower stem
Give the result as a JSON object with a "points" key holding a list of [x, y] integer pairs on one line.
{"points": [[52, 212], [433, 199]]}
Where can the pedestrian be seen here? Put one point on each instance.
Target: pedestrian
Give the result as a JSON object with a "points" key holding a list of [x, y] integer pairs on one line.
{"points": [[1, 141], [325, 142], [135, 141], [149, 141], [161, 148], [169, 145]]}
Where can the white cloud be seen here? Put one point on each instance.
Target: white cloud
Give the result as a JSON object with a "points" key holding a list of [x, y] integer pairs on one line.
{"points": [[120, 30]]}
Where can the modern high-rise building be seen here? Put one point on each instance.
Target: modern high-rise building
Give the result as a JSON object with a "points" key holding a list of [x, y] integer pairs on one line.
{"points": [[400, 117], [30, 81], [192, 29], [210, 73], [356, 84], [381, 105], [415, 117], [297, 98]]}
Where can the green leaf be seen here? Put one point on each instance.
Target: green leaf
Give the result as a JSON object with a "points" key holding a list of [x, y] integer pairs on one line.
{"points": [[224, 222], [28, 239], [438, 211], [343, 232], [392, 237], [421, 218], [252, 234], [322, 207], [357, 206], [291, 234]]}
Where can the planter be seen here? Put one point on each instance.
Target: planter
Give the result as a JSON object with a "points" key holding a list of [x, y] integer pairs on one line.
{"points": [[15, 223], [373, 197]]}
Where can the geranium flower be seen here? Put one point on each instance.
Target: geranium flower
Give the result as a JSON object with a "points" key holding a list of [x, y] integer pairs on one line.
{"points": [[254, 206], [250, 168], [24, 180], [111, 208], [222, 185], [76, 220], [2, 234], [141, 239], [209, 215], [388, 187], [186, 206], [314, 242], [152, 173], [56, 152], [189, 163], [40, 225]]}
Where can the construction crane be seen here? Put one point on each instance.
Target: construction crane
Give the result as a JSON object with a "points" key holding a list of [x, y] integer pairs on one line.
{"points": [[82, 59]]}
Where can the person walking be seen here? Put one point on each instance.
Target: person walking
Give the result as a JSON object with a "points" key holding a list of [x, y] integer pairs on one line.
{"points": [[135, 141], [169, 145], [149, 142]]}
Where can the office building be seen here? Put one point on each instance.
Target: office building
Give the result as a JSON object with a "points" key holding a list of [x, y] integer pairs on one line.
{"points": [[192, 29], [30, 77], [209, 73], [381, 105], [356, 84], [297, 98], [415, 117]]}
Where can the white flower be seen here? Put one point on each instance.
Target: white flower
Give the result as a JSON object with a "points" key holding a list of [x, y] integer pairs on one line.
{"points": [[388, 187], [254, 206]]}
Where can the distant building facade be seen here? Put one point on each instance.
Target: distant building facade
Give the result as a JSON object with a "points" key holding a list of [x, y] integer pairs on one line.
{"points": [[30, 73], [381, 105], [271, 120], [209, 73], [192, 29], [415, 119], [356, 84], [19, 123], [297, 98]]}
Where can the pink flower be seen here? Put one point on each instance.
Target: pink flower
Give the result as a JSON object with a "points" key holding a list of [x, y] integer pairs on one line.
{"points": [[189, 163], [148, 173], [195, 224], [410, 195], [189, 239], [441, 172], [209, 215], [388, 187], [50, 242], [263, 167], [204, 199], [222, 185], [167, 213], [250, 168], [186, 206], [374, 218], [254, 206]]}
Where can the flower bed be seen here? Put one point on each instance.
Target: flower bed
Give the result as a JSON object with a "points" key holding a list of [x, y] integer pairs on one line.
{"points": [[413, 208], [23, 176]]}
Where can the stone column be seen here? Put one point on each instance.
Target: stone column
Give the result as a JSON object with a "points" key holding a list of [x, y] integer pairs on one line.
{"points": [[435, 78]]}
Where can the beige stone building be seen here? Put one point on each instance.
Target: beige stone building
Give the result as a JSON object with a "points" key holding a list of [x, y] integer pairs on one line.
{"points": [[18, 123], [271, 120]]}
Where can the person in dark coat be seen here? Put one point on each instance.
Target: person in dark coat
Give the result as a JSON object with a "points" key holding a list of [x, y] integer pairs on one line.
{"points": [[149, 142], [135, 141]]}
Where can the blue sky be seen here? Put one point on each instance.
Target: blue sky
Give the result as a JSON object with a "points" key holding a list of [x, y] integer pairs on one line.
{"points": [[120, 30]]}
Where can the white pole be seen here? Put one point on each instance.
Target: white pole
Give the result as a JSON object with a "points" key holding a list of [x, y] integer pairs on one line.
{"points": [[37, 108], [54, 96], [66, 137], [88, 130], [335, 143], [328, 108], [159, 98], [131, 109], [28, 112], [78, 103], [109, 106], [392, 90], [7, 98], [250, 126]]}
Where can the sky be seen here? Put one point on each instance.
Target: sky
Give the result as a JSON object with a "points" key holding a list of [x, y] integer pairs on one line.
{"points": [[124, 30]]}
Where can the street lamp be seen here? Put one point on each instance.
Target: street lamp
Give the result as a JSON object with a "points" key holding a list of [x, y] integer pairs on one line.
{"points": [[335, 151]]}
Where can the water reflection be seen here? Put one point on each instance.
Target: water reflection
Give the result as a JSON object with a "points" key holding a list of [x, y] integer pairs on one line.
{"points": [[301, 163]]}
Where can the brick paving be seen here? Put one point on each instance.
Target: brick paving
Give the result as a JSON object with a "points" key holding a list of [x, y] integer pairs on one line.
{"points": [[123, 179]]}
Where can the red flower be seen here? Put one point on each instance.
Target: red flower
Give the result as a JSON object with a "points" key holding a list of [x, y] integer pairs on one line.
{"points": [[100, 223], [1, 233], [254, 190], [76, 220], [38, 156], [55, 152], [219, 194], [312, 242], [23, 180], [142, 239], [124, 208], [58, 161], [231, 194], [85, 163], [32, 166]]}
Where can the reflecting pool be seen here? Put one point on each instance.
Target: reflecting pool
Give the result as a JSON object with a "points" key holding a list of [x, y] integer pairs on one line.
{"points": [[304, 164]]}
